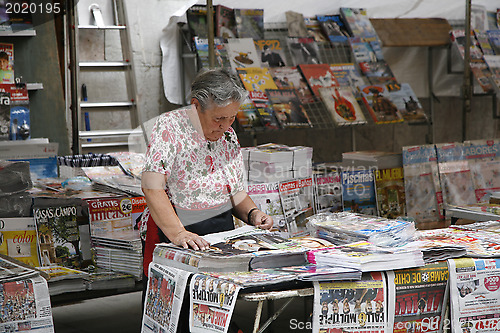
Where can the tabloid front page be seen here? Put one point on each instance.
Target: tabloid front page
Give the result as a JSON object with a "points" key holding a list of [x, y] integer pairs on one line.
{"points": [[475, 295], [26, 306], [211, 303], [166, 286], [351, 306], [416, 298]]}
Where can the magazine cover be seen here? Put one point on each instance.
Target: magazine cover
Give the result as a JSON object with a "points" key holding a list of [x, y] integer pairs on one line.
{"points": [[358, 191], [221, 59], [256, 78], [493, 62], [474, 294], [267, 198], [390, 192], [287, 108], [58, 236], [408, 104], [358, 24], [249, 23], [4, 115], [328, 194], [379, 72], [211, 303], [19, 239], [418, 299], [318, 76], [351, 306], [197, 21], [348, 75], [19, 126], [6, 63], [483, 157], [342, 105], [295, 24], [241, 53], [247, 117], [272, 53], [494, 38], [455, 174], [268, 117], [378, 104], [333, 27], [164, 296], [224, 22], [424, 199], [304, 50], [297, 198], [314, 29], [483, 75], [109, 215], [290, 78]]}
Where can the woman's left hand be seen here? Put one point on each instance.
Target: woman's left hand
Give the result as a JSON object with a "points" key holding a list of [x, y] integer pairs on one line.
{"points": [[261, 220]]}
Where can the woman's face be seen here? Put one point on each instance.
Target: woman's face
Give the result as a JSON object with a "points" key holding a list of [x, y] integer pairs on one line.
{"points": [[216, 120]]}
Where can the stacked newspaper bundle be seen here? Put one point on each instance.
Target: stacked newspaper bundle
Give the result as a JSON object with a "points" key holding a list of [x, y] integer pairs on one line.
{"points": [[274, 162], [367, 257], [236, 250], [323, 272], [64, 280], [15, 181], [346, 227]]}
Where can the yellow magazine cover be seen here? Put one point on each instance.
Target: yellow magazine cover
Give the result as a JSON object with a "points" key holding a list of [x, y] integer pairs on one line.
{"points": [[256, 78], [18, 239]]}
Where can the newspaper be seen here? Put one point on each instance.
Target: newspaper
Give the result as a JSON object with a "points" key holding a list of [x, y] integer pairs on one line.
{"points": [[266, 197], [416, 298], [358, 306], [474, 295], [211, 303], [26, 306], [164, 296], [297, 199]]}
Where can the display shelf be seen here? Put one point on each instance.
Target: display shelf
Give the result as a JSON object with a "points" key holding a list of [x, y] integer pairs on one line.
{"points": [[20, 33]]}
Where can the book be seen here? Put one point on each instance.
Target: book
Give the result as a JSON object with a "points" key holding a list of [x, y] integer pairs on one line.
{"points": [[314, 29], [304, 50], [295, 24], [4, 115], [225, 22], [357, 22], [333, 27], [390, 192], [19, 239], [378, 104], [249, 23], [58, 236], [197, 21], [290, 78], [221, 58], [272, 52], [348, 75], [342, 105], [408, 104], [20, 125], [242, 53], [318, 76], [6, 63], [358, 191], [288, 109]]}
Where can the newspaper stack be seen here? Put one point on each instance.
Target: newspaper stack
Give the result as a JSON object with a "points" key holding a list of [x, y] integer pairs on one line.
{"points": [[367, 257], [64, 280], [275, 162], [15, 181], [114, 180], [346, 227]]}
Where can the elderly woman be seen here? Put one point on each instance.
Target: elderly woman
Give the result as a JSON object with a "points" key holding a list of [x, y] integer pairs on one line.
{"points": [[193, 175]]}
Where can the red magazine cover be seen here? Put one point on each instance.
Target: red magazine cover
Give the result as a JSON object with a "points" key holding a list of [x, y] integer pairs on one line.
{"points": [[318, 76]]}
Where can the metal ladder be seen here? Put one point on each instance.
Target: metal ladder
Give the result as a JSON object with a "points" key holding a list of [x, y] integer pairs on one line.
{"points": [[111, 110]]}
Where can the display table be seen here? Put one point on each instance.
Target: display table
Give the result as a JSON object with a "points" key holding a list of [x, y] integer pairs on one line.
{"points": [[456, 213]]}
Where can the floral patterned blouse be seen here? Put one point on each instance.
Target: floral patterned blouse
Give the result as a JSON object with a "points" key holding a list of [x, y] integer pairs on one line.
{"points": [[200, 173]]}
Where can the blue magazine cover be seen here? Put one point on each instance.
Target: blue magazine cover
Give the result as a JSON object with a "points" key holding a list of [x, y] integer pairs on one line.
{"points": [[358, 191]]}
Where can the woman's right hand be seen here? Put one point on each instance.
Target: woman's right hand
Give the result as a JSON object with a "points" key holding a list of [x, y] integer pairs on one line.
{"points": [[188, 239]]}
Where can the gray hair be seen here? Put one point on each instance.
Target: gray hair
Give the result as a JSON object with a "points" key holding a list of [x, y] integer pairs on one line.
{"points": [[218, 86]]}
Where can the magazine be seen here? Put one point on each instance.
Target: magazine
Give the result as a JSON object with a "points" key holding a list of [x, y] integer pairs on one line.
{"points": [[6, 63], [408, 104], [256, 78], [304, 50], [333, 27], [351, 306], [58, 236], [474, 294], [249, 23], [328, 192], [242, 53], [4, 115], [343, 106], [290, 78], [390, 192], [288, 109], [358, 191], [247, 117], [381, 108], [358, 24], [224, 22], [221, 59], [318, 76], [197, 21], [418, 298], [314, 29], [348, 75], [295, 24], [266, 197], [272, 52], [19, 239], [108, 216], [164, 296], [14, 270], [211, 303], [297, 198]]}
